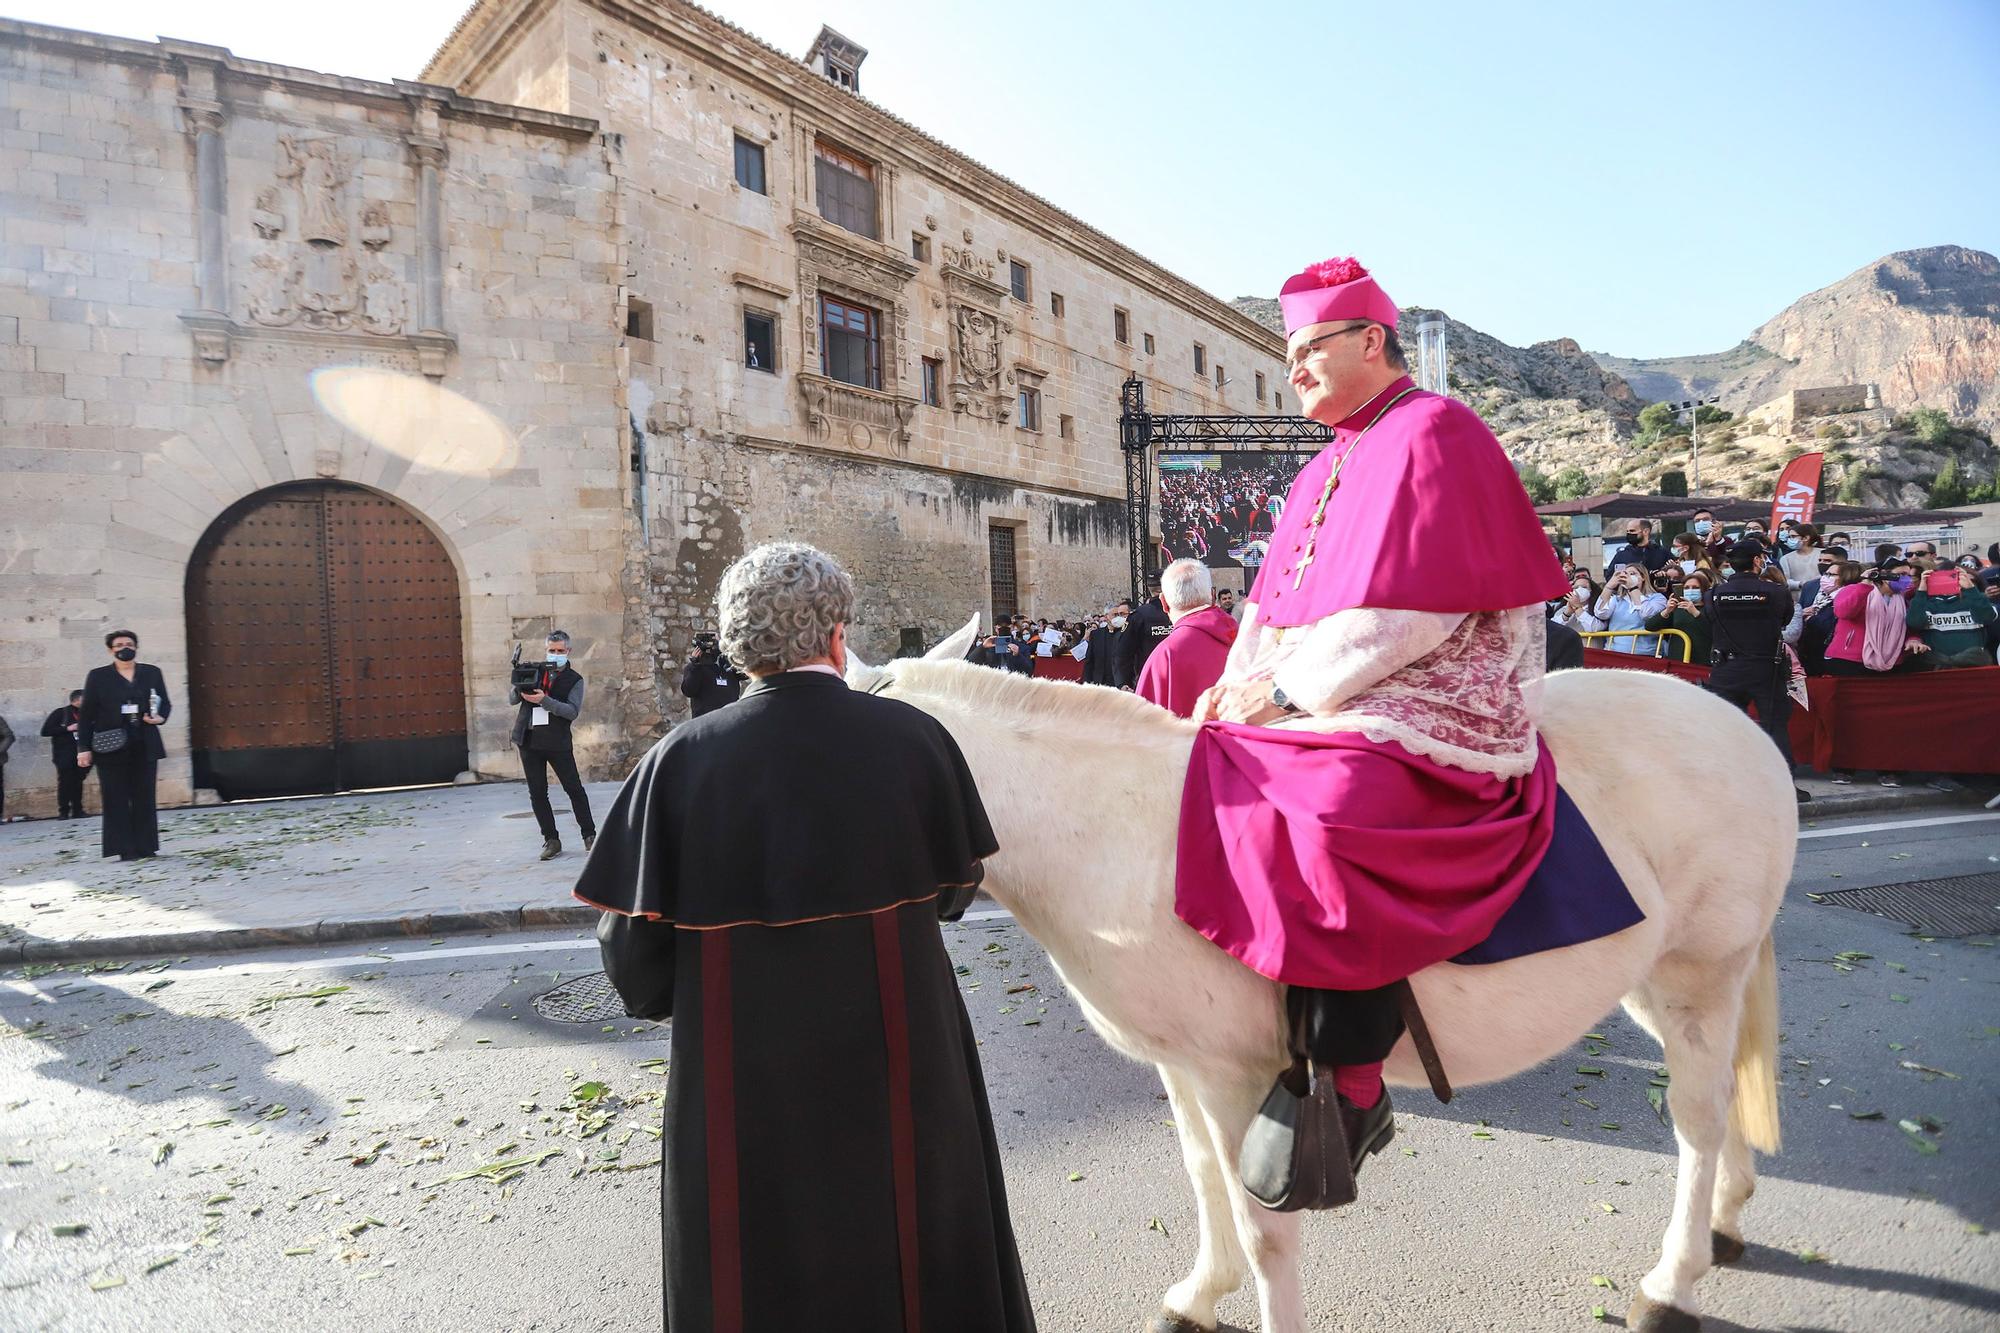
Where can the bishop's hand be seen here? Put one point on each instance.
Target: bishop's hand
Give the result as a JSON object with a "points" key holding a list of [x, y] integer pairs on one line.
{"points": [[1247, 702]]}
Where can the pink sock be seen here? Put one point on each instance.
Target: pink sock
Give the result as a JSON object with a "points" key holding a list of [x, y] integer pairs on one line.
{"points": [[1360, 1084]]}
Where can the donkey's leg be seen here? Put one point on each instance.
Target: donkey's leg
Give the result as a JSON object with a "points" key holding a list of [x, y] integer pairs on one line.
{"points": [[1270, 1239], [1696, 1005], [1735, 1182], [1189, 1304]]}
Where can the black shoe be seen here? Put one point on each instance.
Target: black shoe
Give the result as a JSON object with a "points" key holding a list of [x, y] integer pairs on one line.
{"points": [[551, 847], [590, 840], [1802, 794], [1369, 1131]]}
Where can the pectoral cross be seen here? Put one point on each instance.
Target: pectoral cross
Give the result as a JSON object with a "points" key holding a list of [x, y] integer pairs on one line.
{"points": [[1300, 577]]}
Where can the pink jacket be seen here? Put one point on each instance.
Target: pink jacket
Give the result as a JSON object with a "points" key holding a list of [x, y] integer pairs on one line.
{"points": [[1188, 661], [1850, 622]]}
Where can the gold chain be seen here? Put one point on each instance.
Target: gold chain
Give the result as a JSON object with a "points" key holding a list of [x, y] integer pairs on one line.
{"points": [[1333, 480]]}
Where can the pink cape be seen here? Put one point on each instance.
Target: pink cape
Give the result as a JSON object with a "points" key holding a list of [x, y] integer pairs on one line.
{"points": [[1188, 661], [1427, 490], [1341, 863]]}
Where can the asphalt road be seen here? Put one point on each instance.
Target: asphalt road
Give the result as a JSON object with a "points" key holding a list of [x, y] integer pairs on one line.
{"points": [[286, 1140]]}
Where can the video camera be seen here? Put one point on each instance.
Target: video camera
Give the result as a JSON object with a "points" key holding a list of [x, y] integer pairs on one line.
{"points": [[525, 675]]}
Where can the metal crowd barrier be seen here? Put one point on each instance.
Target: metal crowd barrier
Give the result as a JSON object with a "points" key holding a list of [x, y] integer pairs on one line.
{"points": [[1660, 637]]}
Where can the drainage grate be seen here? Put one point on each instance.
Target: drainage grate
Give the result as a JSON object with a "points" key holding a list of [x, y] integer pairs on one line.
{"points": [[1945, 908], [586, 1000]]}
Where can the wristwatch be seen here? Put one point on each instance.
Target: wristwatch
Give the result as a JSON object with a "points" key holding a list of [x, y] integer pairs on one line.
{"points": [[1283, 700]]}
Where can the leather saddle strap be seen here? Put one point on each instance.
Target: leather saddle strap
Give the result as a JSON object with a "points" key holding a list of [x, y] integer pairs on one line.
{"points": [[1420, 1037]]}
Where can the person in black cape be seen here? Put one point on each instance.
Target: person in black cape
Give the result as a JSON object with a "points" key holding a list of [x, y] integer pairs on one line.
{"points": [[124, 705], [829, 1158]]}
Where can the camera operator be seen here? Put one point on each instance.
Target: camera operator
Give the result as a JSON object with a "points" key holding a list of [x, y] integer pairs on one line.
{"points": [[541, 732], [710, 679], [1747, 618]]}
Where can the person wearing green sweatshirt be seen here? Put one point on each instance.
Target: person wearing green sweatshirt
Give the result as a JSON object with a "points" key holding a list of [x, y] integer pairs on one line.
{"points": [[1953, 625]]}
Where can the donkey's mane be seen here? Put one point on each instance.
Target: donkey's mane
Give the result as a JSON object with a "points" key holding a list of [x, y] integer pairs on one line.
{"points": [[1042, 705]]}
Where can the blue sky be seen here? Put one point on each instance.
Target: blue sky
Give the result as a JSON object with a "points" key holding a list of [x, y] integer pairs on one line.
{"points": [[1649, 179]]}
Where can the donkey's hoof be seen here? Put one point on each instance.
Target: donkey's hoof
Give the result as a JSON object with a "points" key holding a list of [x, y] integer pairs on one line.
{"points": [[1166, 1321], [1724, 1249], [1642, 1316]]}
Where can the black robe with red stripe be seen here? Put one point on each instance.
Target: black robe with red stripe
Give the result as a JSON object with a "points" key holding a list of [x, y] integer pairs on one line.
{"points": [[773, 874]]}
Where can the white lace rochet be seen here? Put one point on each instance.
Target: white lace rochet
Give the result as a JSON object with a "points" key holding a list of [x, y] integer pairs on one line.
{"points": [[1462, 690]]}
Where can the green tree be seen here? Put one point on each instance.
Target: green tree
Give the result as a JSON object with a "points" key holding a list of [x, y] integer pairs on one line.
{"points": [[1711, 416], [1657, 419], [1673, 483], [1536, 482], [1572, 483], [1854, 485], [1931, 425], [1949, 489]]}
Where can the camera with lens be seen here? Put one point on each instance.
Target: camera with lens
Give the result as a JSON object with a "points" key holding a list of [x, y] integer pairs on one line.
{"points": [[525, 675]]}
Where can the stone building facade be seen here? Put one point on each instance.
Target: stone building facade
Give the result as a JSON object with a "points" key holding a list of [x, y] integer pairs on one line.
{"points": [[186, 238], [327, 386], [764, 197]]}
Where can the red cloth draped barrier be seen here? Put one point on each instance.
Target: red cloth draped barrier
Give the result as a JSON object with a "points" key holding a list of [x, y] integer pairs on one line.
{"points": [[1060, 667], [1935, 721]]}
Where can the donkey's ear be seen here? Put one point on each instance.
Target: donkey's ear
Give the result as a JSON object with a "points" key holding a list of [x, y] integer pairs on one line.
{"points": [[859, 674], [955, 646]]}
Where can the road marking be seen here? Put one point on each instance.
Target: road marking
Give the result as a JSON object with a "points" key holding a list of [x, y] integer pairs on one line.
{"points": [[1896, 824], [1002, 915], [376, 959]]}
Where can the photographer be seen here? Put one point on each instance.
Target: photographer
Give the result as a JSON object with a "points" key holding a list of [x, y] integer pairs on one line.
{"points": [[1626, 602], [710, 679], [1683, 612], [548, 705]]}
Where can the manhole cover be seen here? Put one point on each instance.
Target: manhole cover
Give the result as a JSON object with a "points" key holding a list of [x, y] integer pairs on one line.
{"points": [[1945, 908], [585, 1000]]}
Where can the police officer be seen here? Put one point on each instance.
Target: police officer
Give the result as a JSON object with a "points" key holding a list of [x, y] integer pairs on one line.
{"points": [[1747, 664]]}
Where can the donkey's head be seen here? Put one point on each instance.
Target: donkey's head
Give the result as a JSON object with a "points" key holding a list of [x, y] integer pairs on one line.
{"points": [[877, 680]]}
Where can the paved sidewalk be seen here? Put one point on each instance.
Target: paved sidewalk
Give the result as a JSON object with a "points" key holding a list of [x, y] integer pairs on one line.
{"points": [[386, 865], [447, 860]]}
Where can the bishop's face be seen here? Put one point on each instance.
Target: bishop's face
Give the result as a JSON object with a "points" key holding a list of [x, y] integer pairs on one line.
{"points": [[1334, 367]]}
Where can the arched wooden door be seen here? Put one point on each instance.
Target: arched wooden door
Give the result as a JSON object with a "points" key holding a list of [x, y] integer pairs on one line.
{"points": [[324, 649]]}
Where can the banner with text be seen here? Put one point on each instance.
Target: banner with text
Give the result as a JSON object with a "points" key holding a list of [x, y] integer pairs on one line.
{"points": [[1798, 484]]}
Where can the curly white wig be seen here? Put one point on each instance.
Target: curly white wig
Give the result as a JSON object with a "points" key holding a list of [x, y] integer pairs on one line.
{"points": [[779, 605]]}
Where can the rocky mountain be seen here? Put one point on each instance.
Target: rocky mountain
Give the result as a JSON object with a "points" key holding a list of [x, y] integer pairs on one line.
{"points": [[1924, 325], [1551, 404]]}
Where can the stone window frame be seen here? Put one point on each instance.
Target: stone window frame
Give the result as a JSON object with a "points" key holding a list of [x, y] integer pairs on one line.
{"points": [[1056, 305], [743, 140], [1022, 290], [1029, 399], [838, 155], [1151, 349], [1200, 359], [775, 321], [930, 382], [1121, 326], [920, 247], [1260, 386], [874, 336], [1065, 426]]}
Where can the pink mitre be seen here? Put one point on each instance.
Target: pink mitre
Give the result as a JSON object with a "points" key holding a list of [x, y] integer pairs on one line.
{"points": [[1330, 291]]}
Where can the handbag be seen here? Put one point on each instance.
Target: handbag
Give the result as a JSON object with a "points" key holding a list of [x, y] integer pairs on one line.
{"points": [[109, 742], [1294, 1154]]}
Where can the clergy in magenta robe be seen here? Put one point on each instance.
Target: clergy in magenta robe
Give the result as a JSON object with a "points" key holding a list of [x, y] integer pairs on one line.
{"points": [[1394, 814], [829, 1157], [1191, 657]]}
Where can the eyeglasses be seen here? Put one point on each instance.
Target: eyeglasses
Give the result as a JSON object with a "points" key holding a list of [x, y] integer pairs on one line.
{"points": [[1298, 358]]}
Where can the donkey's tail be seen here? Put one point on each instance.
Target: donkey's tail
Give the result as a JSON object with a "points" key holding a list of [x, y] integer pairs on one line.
{"points": [[1755, 1106]]}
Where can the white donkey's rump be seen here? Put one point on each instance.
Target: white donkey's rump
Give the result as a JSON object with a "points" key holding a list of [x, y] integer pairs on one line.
{"points": [[1697, 972]]}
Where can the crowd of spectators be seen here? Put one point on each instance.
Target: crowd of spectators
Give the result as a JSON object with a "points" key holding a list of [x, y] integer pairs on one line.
{"points": [[1223, 516], [1889, 610]]}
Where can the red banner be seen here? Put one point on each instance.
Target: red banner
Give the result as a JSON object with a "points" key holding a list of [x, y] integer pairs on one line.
{"points": [[1797, 485]]}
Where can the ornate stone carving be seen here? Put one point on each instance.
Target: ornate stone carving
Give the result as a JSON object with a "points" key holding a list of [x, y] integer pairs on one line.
{"points": [[321, 172], [375, 232], [267, 216], [979, 386], [383, 308], [331, 290], [861, 271], [930, 222], [273, 285], [855, 418], [964, 261]]}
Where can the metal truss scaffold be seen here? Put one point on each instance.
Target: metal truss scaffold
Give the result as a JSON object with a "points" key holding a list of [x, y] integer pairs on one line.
{"points": [[1141, 434]]}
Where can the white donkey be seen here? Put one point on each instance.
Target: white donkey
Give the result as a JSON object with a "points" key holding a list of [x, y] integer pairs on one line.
{"points": [[1698, 972]]}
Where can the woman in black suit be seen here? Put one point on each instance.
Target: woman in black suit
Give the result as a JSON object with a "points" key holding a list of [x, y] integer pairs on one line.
{"points": [[118, 730]]}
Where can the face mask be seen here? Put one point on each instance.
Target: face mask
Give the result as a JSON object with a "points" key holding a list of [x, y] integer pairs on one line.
{"points": [[1687, 566], [559, 660], [1691, 594], [1582, 589], [1790, 543], [1903, 582], [1118, 622], [126, 654], [1703, 527]]}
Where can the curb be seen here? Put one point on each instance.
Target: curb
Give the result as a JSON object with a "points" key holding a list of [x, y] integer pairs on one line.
{"points": [[280, 937], [1870, 802]]}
